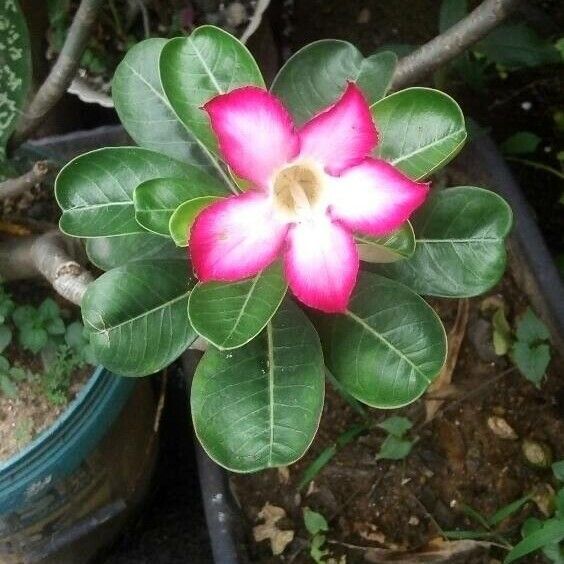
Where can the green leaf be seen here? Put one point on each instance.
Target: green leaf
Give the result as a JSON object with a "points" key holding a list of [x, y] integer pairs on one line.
{"points": [[75, 335], [155, 200], [460, 248], [15, 68], [144, 110], [314, 522], [136, 316], [394, 448], [558, 470], [502, 335], [194, 69], [55, 327], [49, 310], [398, 245], [396, 425], [387, 347], [7, 387], [530, 329], [24, 315], [520, 143], [517, 45], [95, 190], [5, 337], [316, 76], [421, 130], [184, 216], [259, 406], [452, 11], [110, 252], [32, 338], [532, 361], [507, 510], [316, 550], [231, 314], [552, 531], [4, 364]]}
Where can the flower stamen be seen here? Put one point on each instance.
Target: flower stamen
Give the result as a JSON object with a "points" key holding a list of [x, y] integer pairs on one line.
{"points": [[297, 190]]}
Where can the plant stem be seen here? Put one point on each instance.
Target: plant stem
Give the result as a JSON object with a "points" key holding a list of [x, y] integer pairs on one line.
{"points": [[448, 45], [50, 255], [534, 164], [16, 186], [354, 403], [62, 73]]}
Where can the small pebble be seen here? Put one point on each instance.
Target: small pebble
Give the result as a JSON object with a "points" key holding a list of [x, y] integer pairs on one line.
{"points": [[526, 106], [536, 453], [413, 521], [501, 428]]}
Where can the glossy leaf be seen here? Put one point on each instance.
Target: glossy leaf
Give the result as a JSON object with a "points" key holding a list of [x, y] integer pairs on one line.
{"points": [[110, 252], [95, 190], [389, 345], [144, 110], [397, 246], [194, 69], [184, 216], [259, 406], [136, 325], [156, 200], [460, 249], [316, 76], [421, 130], [15, 68], [231, 314]]}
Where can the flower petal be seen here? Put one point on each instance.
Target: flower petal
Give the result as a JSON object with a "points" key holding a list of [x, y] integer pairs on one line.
{"points": [[321, 264], [235, 238], [341, 136], [374, 197], [255, 132]]}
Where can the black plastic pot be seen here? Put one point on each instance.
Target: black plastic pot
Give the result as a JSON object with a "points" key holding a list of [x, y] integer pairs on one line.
{"points": [[537, 277]]}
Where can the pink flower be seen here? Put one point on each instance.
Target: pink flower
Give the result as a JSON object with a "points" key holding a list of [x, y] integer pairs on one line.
{"points": [[313, 187]]}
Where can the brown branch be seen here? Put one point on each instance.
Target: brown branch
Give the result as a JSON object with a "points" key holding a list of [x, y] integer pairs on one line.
{"points": [[448, 45], [16, 186], [62, 73], [52, 256]]}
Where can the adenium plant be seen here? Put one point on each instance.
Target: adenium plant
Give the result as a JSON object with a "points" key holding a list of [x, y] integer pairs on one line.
{"points": [[293, 205]]}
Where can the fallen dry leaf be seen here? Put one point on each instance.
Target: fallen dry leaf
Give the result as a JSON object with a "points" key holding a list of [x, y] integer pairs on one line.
{"points": [[436, 550], [455, 338], [279, 540]]}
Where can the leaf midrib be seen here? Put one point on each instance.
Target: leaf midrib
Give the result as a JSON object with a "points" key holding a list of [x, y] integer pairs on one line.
{"points": [[137, 317], [382, 339]]}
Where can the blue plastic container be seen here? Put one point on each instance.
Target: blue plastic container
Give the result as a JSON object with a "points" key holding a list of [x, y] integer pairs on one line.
{"points": [[71, 489]]}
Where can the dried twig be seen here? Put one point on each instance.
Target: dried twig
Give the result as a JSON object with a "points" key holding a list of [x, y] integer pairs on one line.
{"points": [[62, 73], [455, 338], [448, 45], [255, 20], [16, 186]]}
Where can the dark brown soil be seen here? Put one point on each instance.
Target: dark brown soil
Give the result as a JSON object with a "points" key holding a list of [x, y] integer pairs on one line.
{"points": [[22, 418], [457, 460]]}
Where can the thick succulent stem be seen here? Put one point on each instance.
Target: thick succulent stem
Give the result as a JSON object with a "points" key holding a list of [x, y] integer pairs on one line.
{"points": [[454, 41], [52, 256]]}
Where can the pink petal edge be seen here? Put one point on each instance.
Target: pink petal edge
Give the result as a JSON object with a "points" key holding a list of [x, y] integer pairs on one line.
{"points": [[342, 135], [321, 264], [255, 132], [235, 238], [374, 197]]}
